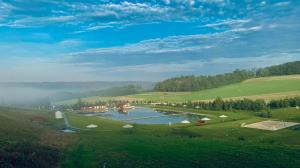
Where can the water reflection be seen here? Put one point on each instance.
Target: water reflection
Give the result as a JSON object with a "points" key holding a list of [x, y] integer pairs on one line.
{"points": [[147, 116]]}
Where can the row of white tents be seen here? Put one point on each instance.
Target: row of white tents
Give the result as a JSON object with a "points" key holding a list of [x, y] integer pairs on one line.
{"points": [[95, 126], [202, 119]]}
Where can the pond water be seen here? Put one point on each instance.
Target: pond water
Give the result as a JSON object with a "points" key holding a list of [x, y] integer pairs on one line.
{"points": [[147, 116]]}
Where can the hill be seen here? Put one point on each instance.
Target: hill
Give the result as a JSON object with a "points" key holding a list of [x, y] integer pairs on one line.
{"points": [[31, 138], [196, 83], [264, 88], [267, 88]]}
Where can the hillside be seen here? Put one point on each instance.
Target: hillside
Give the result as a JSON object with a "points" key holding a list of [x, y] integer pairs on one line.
{"points": [[265, 88], [196, 83], [31, 138]]}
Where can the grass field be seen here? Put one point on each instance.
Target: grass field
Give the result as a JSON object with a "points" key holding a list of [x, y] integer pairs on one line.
{"points": [[216, 144], [26, 143], [267, 88], [259, 88]]}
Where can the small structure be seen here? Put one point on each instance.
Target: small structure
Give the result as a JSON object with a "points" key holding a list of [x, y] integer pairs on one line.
{"points": [[58, 115], [185, 122], [98, 108], [223, 116], [68, 131], [155, 104], [205, 119], [124, 107], [92, 126], [127, 126], [297, 107]]}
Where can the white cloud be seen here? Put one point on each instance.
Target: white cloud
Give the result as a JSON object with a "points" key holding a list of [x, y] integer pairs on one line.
{"points": [[124, 12], [286, 3], [254, 28], [70, 42], [237, 22]]}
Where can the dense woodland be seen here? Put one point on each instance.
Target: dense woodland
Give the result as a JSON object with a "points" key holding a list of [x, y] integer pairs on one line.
{"points": [[194, 83]]}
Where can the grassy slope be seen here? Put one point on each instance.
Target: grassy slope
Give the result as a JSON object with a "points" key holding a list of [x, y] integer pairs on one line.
{"points": [[266, 87], [30, 144], [217, 144], [258, 88]]}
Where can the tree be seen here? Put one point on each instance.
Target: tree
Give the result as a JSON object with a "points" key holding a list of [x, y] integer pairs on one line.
{"points": [[78, 105], [218, 104]]}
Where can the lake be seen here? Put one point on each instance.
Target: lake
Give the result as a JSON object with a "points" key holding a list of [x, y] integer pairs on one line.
{"points": [[147, 116]]}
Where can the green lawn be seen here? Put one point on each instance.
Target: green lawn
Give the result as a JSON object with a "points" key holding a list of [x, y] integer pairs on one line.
{"points": [[216, 144]]}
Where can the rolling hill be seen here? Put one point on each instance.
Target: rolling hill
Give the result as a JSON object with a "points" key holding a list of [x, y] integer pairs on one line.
{"points": [[265, 88], [257, 88]]}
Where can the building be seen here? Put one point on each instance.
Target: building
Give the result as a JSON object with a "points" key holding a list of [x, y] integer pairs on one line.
{"points": [[100, 108], [58, 115], [124, 107]]}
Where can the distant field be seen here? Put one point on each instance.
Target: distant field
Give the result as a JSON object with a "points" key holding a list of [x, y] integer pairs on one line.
{"points": [[259, 88], [265, 88]]}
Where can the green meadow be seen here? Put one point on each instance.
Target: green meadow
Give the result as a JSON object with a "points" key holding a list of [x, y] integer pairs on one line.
{"points": [[258, 88], [218, 143], [266, 88]]}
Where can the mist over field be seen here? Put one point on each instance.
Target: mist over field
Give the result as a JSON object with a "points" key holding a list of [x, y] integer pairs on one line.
{"points": [[22, 95], [32, 92]]}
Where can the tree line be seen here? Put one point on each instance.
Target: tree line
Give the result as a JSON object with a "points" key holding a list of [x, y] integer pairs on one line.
{"points": [[195, 83], [244, 104], [217, 105]]}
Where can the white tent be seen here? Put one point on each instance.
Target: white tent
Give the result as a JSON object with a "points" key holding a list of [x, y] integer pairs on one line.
{"points": [[205, 119], [127, 126], [58, 115], [92, 126], [185, 122], [223, 116]]}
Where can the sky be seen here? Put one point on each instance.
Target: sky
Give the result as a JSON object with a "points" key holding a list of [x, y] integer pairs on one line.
{"points": [[101, 40]]}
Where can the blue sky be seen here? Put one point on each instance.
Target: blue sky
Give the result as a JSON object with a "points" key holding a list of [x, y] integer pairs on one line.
{"points": [[88, 40]]}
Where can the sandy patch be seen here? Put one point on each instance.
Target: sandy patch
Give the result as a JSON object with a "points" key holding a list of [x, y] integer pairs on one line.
{"points": [[271, 125]]}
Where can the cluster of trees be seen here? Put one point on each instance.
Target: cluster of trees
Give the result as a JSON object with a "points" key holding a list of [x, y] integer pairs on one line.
{"points": [[283, 103], [194, 83], [217, 104], [244, 104], [289, 68]]}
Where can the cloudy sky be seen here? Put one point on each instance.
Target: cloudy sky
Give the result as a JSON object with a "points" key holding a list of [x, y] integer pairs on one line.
{"points": [[88, 40]]}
